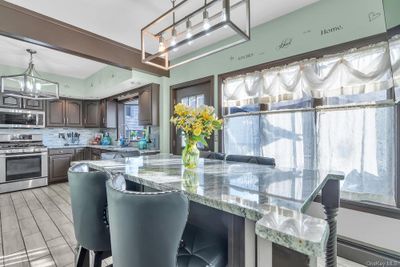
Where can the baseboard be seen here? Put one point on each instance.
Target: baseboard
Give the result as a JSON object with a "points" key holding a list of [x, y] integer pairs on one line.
{"points": [[365, 254]]}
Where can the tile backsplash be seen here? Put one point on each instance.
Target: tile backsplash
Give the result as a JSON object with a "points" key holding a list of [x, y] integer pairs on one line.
{"points": [[51, 135]]}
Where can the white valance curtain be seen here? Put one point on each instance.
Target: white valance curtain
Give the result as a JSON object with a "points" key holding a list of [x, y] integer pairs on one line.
{"points": [[394, 44], [357, 71]]}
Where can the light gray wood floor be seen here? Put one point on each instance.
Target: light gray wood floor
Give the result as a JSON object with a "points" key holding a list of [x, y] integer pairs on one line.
{"points": [[36, 229]]}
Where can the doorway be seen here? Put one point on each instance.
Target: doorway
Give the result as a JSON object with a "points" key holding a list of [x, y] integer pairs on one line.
{"points": [[194, 94]]}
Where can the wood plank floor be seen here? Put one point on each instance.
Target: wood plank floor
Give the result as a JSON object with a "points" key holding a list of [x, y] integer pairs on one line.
{"points": [[36, 229]]}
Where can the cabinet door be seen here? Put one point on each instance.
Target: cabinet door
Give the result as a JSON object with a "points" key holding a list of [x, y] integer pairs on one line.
{"points": [[108, 114], [145, 107], [55, 113], [73, 113], [33, 104], [10, 101], [59, 165], [91, 114], [79, 154]]}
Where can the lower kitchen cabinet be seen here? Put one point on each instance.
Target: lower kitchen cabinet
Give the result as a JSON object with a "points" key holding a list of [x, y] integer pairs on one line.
{"points": [[59, 163]]}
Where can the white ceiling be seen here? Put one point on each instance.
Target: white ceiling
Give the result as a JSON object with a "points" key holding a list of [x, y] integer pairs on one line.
{"points": [[119, 20], [122, 20], [13, 53]]}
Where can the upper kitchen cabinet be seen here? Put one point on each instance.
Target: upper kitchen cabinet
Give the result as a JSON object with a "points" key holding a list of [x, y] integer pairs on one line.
{"points": [[108, 114], [91, 111], [55, 113], [149, 105], [61, 113], [73, 113], [7, 101]]}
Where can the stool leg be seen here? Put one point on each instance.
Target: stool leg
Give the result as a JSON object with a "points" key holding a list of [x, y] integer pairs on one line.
{"points": [[80, 256]]}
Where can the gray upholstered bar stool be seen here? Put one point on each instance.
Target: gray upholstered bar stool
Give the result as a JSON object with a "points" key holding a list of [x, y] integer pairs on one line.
{"points": [[212, 155], [89, 203], [146, 228], [251, 159]]}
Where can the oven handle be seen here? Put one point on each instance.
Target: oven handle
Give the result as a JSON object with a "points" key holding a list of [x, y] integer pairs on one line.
{"points": [[22, 155]]}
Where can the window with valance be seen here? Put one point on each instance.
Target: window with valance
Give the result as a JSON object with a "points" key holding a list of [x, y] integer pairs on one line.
{"points": [[333, 113]]}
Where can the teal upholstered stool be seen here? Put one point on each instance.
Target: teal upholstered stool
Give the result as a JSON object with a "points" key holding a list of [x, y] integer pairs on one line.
{"points": [[146, 228], [89, 203]]}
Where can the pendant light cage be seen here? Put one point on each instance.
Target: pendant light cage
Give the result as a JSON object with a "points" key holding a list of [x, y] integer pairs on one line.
{"points": [[30, 84], [189, 31]]}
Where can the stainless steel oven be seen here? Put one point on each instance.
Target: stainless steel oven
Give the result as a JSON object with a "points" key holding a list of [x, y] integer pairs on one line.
{"points": [[22, 166], [23, 162], [21, 118]]}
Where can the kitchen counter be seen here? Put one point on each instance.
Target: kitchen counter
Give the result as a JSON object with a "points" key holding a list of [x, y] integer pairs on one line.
{"points": [[111, 148], [274, 198]]}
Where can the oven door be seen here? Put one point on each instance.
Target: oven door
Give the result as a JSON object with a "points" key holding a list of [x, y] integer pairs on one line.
{"points": [[18, 118], [15, 167]]}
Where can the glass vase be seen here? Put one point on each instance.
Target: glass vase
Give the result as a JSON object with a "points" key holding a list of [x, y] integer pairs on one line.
{"points": [[190, 155]]}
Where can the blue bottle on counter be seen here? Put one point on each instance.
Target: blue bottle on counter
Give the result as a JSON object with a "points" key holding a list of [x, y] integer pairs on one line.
{"points": [[142, 144]]}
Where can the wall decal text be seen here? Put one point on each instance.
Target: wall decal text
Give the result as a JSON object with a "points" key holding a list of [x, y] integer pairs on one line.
{"points": [[373, 16], [285, 43], [331, 30]]}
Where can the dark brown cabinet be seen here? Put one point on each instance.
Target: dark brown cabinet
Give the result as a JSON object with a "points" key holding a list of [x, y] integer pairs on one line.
{"points": [[95, 154], [64, 112], [33, 104], [55, 113], [91, 111], [59, 163], [73, 113], [108, 114], [79, 154], [7, 101], [149, 105]]}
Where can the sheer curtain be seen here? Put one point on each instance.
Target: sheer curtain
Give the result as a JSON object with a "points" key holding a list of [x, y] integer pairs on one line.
{"points": [[357, 141]]}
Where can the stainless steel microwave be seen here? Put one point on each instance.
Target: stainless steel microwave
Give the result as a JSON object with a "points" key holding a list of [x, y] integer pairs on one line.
{"points": [[21, 118]]}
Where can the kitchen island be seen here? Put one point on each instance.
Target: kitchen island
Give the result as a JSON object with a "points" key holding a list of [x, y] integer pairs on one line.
{"points": [[265, 206]]}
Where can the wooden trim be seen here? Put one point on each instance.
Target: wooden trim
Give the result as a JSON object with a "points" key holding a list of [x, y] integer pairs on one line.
{"points": [[178, 86], [25, 25], [366, 254]]}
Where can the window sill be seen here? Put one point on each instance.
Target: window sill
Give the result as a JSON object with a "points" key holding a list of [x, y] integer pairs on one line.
{"points": [[372, 208]]}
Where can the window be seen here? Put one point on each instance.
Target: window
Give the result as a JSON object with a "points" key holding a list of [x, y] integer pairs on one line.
{"points": [[132, 127], [334, 113]]}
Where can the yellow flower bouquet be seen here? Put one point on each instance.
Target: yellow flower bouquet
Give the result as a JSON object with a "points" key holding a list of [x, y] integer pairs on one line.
{"points": [[197, 125]]}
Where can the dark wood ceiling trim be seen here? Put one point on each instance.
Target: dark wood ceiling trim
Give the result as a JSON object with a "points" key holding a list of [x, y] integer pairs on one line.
{"points": [[23, 24]]}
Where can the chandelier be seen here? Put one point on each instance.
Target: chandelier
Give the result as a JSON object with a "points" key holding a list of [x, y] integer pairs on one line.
{"points": [[29, 84], [193, 29]]}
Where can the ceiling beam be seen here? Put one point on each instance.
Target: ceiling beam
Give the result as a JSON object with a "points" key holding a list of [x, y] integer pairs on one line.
{"points": [[23, 24]]}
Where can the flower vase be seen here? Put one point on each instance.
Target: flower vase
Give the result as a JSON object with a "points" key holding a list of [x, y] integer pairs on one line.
{"points": [[190, 155]]}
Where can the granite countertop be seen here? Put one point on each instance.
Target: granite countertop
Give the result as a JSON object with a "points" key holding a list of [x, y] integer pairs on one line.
{"points": [[274, 198], [112, 148]]}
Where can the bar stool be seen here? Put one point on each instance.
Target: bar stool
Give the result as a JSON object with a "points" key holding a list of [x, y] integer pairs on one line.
{"points": [[146, 227], [89, 203], [251, 159], [212, 155]]}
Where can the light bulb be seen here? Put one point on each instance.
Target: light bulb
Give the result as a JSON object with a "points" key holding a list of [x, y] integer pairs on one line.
{"points": [[38, 86], [206, 21], [188, 29], [173, 38], [29, 85], [22, 85], [161, 45], [223, 15]]}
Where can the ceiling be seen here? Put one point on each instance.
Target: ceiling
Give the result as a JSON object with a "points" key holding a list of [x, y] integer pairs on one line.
{"points": [[119, 20], [122, 20], [12, 53]]}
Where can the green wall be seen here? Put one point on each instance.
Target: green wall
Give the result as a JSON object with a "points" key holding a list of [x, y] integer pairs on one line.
{"points": [[323, 24], [392, 11]]}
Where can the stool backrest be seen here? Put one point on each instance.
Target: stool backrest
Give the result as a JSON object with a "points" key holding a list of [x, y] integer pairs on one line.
{"points": [[251, 159], [146, 228], [89, 203]]}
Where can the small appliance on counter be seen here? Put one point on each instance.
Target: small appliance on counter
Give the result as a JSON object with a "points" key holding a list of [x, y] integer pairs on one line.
{"points": [[106, 140], [23, 162]]}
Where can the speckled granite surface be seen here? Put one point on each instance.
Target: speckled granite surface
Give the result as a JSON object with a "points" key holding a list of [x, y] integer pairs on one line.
{"points": [[274, 198]]}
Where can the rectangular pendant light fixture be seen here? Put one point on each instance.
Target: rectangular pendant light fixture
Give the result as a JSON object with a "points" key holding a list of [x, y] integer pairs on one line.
{"points": [[191, 30]]}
